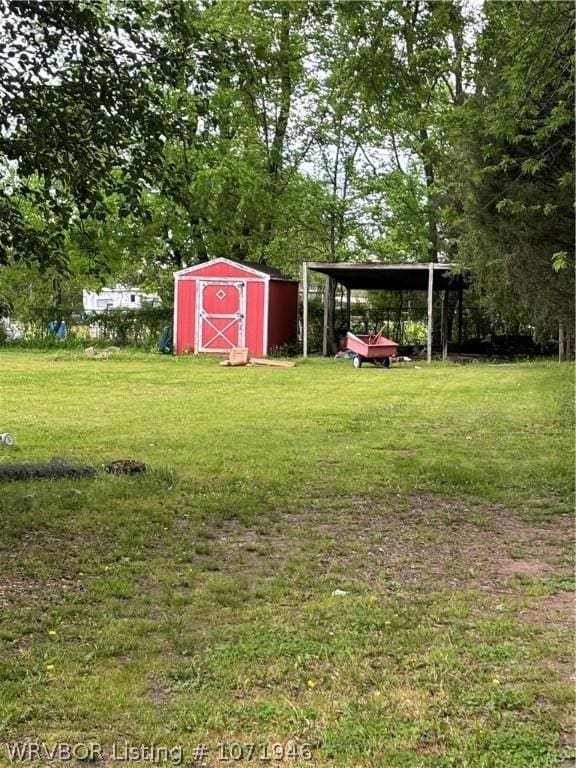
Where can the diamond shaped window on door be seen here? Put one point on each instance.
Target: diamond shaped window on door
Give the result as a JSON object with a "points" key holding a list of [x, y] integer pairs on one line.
{"points": [[221, 294]]}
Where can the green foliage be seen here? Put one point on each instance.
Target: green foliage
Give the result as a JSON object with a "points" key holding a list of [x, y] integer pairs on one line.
{"points": [[124, 326], [560, 261], [80, 124], [516, 138], [138, 138]]}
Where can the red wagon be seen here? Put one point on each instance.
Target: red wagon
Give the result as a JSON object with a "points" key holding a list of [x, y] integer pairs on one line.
{"points": [[372, 349]]}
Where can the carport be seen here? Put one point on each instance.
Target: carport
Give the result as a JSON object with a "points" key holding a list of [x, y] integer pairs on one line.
{"points": [[430, 277]]}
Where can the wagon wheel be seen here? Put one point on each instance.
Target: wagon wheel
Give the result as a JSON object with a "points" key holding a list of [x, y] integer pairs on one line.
{"points": [[357, 362], [386, 362]]}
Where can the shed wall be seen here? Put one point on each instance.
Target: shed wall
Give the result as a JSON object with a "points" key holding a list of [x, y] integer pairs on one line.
{"points": [[254, 320], [185, 321], [283, 314]]}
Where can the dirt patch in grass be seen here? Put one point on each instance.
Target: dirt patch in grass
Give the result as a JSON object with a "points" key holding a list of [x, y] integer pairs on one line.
{"points": [[555, 616], [439, 543], [16, 590], [433, 544], [394, 449], [259, 552], [488, 546], [552, 611], [158, 693], [24, 596]]}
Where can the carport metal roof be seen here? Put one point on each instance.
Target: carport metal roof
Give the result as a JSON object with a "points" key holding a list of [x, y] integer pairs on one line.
{"points": [[391, 277]]}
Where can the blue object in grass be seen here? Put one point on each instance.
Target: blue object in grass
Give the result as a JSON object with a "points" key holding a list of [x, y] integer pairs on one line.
{"points": [[165, 343]]}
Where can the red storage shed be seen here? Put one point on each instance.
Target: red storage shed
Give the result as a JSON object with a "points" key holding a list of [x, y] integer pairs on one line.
{"points": [[222, 304]]}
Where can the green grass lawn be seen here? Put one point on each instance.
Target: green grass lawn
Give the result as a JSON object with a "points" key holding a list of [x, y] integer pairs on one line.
{"points": [[194, 605]]}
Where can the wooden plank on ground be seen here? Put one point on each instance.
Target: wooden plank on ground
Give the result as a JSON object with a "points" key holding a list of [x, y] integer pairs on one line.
{"points": [[272, 363]]}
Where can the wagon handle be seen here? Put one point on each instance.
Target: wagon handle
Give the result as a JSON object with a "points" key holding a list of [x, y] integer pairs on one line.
{"points": [[374, 339]]}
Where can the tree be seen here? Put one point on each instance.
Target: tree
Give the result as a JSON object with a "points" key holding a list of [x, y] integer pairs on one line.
{"points": [[409, 57], [140, 137], [78, 118], [227, 155], [517, 152]]}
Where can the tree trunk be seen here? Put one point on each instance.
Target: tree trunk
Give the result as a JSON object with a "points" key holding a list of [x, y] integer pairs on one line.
{"points": [[56, 293], [194, 220], [561, 348], [198, 238], [331, 346], [458, 40], [430, 189], [275, 159]]}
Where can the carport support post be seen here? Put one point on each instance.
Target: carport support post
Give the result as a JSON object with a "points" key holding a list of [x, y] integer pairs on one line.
{"points": [[460, 312], [444, 324], [305, 309], [325, 323], [430, 326], [348, 312]]}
